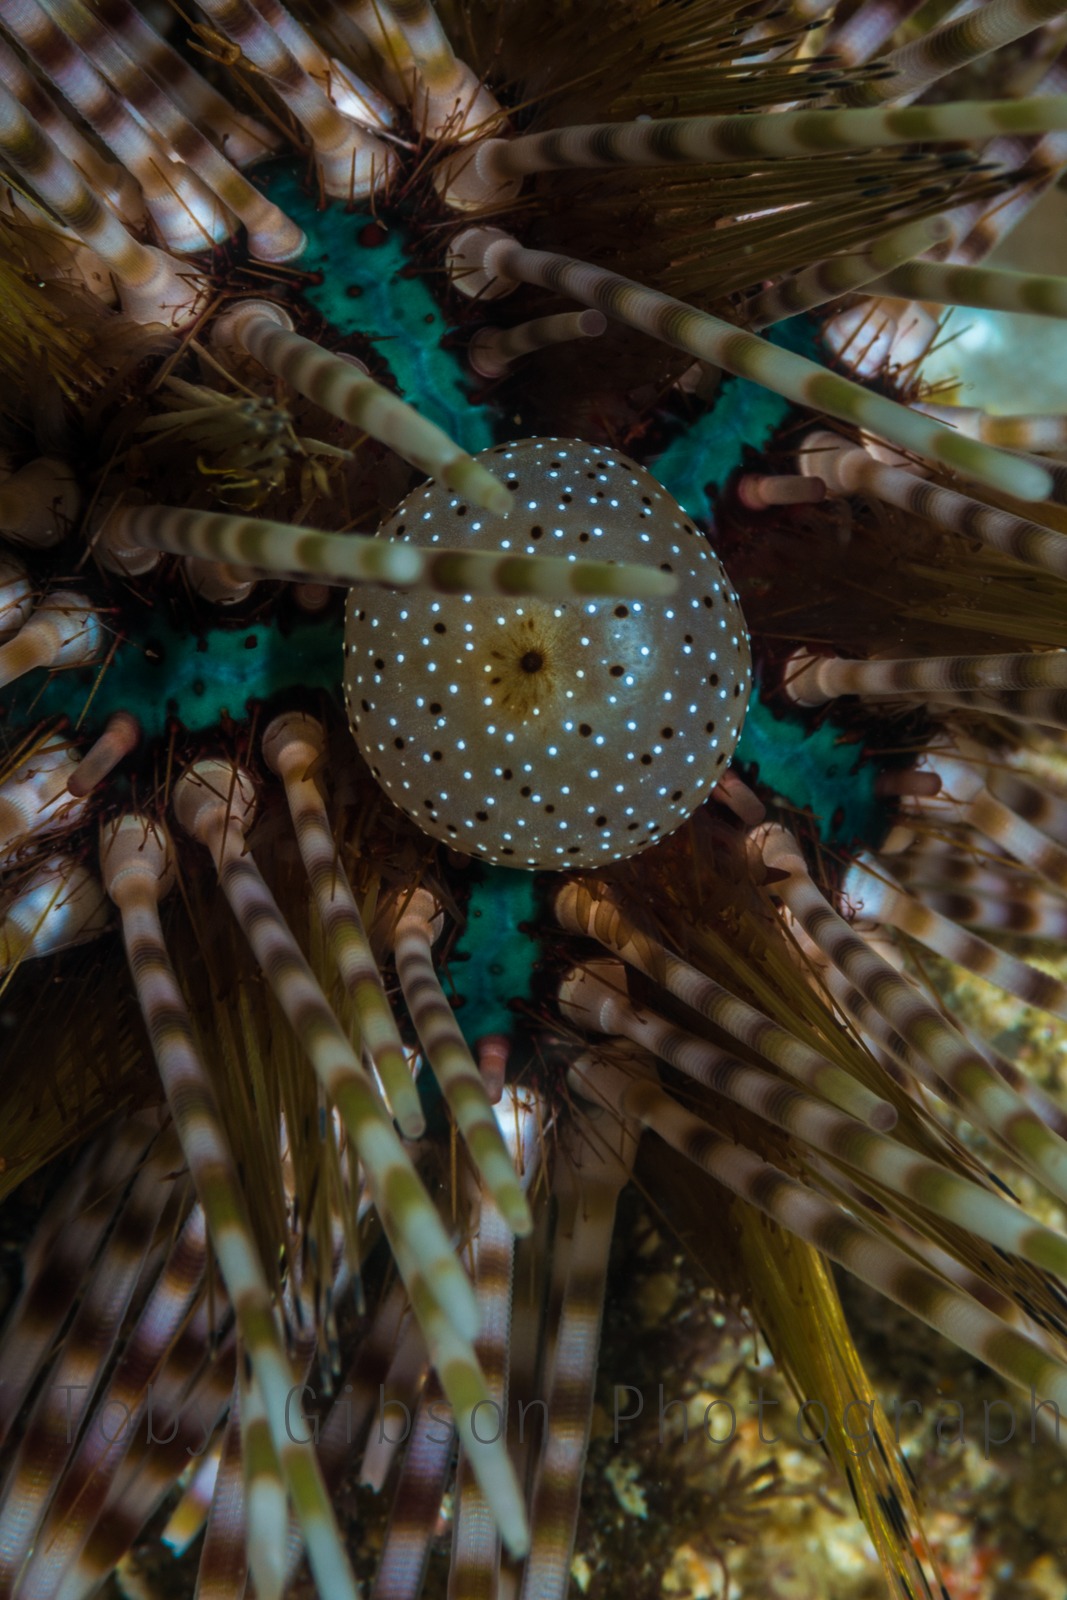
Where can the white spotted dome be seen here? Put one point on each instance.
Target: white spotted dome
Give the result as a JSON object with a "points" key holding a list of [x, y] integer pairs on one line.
{"points": [[551, 733]]}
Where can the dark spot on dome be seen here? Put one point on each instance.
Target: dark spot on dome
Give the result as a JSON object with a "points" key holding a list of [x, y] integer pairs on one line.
{"points": [[584, 729], [435, 707], [646, 760], [616, 671], [666, 733], [482, 816], [437, 756], [537, 532], [532, 661], [440, 627], [622, 611], [398, 743]]}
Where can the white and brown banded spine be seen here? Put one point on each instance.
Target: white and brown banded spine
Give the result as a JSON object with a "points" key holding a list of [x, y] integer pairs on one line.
{"points": [[587, 908], [137, 869], [152, 287], [595, 998], [594, 1164], [343, 559], [243, 138], [109, 180], [956, 43], [417, 1499], [968, 1075], [87, 1477], [456, 1365], [985, 288], [46, 1440], [481, 257], [189, 1403], [271, 234], [813, 680], [840, 275], [1016, 908], [213, 801], [223, 1569], [60, 1254], [293, 745], [965, 797], [869, 887], [64, 631], [353, 162], [186, 215], [848, 469], [862, 35], [827, 1226], [493, 350], [417, 926]]}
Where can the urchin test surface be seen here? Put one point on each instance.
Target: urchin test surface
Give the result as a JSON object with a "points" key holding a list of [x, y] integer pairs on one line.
{"points": [[548, 733]]}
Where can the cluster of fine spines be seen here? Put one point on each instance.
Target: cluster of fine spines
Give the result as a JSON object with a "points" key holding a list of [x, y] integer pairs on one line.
{"points": [[595, 997], [109, 1294], [886, 1009], [634, 1093], [138, 870]]}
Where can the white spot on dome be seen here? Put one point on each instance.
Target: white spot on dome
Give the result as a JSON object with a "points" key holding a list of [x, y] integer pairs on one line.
{"points": [[556, 711]]}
